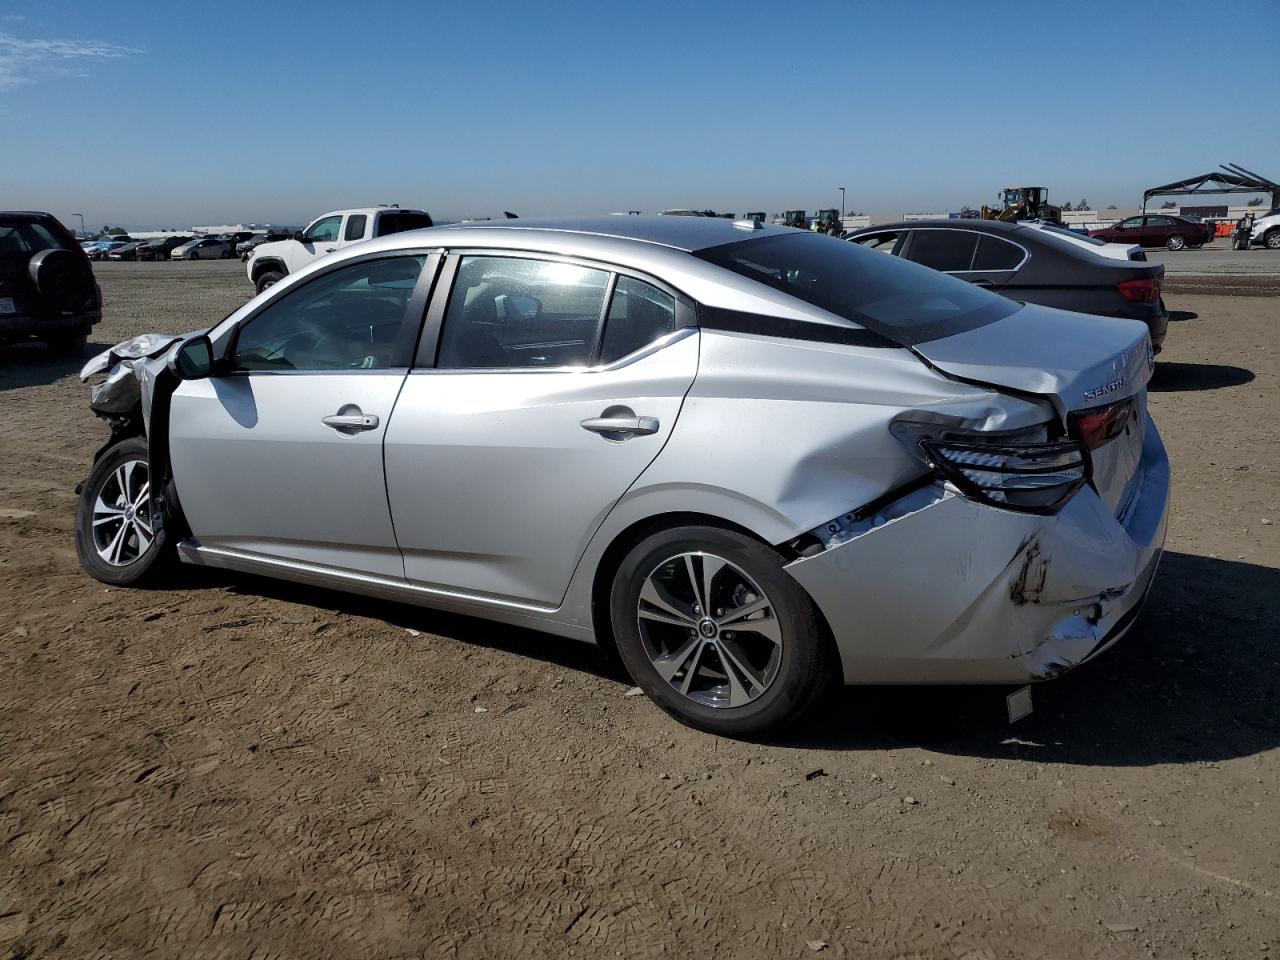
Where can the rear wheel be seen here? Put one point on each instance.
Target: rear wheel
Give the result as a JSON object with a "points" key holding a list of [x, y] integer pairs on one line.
{"points": [[1176, 242], [716, 633], [268, 278], [118, 538], [70, 346]]}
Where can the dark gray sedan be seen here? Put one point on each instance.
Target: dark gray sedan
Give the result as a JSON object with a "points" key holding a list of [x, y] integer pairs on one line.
{"points": [[1033, 263]]}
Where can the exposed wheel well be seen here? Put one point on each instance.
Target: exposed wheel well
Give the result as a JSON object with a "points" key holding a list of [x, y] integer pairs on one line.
{"points": [[613, 555], [264, 266]]}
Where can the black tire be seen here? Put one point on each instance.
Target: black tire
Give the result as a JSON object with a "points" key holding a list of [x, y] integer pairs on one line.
{"points": [[1176, 242], [138, 565], [805, 666], [69, 346], [62, 278], [268, 278], [1271, 239], [193, 255]]}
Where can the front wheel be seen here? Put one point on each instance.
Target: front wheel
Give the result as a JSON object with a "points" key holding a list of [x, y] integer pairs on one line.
{"points": [[1176, 242], [268, 278], [119, 539], [717, 634], [193, 255], [1272, 240]]}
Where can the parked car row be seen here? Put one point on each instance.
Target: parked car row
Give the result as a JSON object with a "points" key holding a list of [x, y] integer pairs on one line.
{"points": [[752, 460]]}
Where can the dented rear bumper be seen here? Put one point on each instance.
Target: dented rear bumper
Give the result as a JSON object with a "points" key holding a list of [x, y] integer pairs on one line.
{"points": [[952, 591]]}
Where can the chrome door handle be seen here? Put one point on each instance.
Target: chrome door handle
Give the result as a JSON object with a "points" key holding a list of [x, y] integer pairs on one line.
{"points": [[636, 426], [351, 421]]}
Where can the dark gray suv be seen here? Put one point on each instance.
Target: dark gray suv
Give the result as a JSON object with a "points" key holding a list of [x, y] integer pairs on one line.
{"points": [[47, 289]]}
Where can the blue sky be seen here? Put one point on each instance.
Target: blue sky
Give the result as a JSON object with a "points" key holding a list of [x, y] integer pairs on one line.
{"points": [[164, 113]]}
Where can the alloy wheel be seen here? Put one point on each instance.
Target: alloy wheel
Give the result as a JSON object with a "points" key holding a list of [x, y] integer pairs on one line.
{"points": [[122, 523], [709, 630]]}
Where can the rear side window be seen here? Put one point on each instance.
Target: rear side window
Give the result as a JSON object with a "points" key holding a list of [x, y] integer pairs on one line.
{"points": [[996, 254], [355, 226], [508, 312], [400, 222], [942, 249], [883, 242], [639, 314], [900, 300]]}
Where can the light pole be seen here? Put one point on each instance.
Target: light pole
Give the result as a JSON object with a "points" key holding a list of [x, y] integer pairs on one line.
{"points": [[841, 203], [81, 216]]}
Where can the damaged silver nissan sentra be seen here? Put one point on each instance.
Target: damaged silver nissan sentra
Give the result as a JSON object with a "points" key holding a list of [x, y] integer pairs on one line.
{"points": [[750, 459]]}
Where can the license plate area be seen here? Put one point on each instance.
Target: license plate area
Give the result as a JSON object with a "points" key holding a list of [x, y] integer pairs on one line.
{"points": [[7, 305]]}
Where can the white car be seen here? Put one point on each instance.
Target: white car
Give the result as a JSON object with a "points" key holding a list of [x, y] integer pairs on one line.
{"points": [[202, 248], [272, 262], [1266, 230], [1112, 251]]}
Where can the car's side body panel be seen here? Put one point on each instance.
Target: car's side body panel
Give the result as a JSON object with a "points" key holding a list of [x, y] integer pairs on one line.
{"points": [[495, 485], [259, 472]]}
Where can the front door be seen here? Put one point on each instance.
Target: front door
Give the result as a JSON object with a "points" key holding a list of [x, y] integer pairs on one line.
{"points": [[282, 455], [554, 386], [317, 240]]}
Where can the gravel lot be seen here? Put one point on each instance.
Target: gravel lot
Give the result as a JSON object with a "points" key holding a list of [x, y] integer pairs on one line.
{"points": [[232, 767]]}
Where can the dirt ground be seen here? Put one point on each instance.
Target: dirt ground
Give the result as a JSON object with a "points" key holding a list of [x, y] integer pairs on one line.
{"points": [[232, 767]]}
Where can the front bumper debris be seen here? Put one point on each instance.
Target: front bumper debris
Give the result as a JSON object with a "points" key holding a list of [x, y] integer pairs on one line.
{"points": [[955, 592]]}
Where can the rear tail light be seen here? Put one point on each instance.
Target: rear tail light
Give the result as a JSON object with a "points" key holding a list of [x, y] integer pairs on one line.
{"points": [[1029, 477], [1142, 290], [1096, 426]]}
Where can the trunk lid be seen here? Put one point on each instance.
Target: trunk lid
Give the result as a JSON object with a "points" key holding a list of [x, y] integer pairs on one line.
{"points": [[1075, 360]]}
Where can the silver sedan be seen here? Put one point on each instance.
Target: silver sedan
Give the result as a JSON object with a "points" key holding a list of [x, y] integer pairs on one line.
{"points": [[750, 459]]}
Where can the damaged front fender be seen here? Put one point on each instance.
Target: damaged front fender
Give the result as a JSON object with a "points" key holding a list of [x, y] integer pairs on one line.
{"points": [[131, 368]]}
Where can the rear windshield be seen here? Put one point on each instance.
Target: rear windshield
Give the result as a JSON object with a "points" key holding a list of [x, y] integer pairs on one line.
{"points": [[400, 222], [1071, 234], [899, 300], [24, 237]]}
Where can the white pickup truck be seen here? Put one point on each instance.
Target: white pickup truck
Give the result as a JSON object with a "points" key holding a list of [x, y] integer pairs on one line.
{"points": [[274, 261]]}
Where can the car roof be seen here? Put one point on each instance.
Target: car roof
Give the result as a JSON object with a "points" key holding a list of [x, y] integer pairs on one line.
{"points": [[957, 223], [679, 233], [27, 215]]}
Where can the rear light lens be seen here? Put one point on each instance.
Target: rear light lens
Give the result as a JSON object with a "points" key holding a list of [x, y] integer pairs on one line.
{"points": [[1096, 426], [1028, 477], [1142, 290]]}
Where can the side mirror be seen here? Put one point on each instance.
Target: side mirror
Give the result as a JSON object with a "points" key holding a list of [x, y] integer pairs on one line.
{"points": [[192, 359], [518, 306], [297, 235]]}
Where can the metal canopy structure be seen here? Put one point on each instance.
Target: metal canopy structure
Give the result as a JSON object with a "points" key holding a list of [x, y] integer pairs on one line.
{"points": [[1236, 179]]}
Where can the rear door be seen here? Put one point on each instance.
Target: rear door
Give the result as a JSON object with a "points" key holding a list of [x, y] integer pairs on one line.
{"points": [[544, 388]]}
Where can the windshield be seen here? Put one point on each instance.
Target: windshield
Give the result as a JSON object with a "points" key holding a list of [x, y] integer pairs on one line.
{"points": [[898, 299]]}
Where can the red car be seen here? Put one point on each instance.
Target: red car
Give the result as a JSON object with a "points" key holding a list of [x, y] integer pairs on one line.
{"points": [[1158, 230]]}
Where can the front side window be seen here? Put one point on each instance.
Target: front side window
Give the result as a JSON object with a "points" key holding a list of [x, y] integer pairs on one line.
{"points": [[354, 318], [942, 249], [323, 231], [355, 226], [639, 314], [512, 312], [883, 242]]}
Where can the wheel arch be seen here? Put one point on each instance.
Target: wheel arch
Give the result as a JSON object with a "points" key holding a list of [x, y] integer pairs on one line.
{"points": [[267, 263], [624, 540]]}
